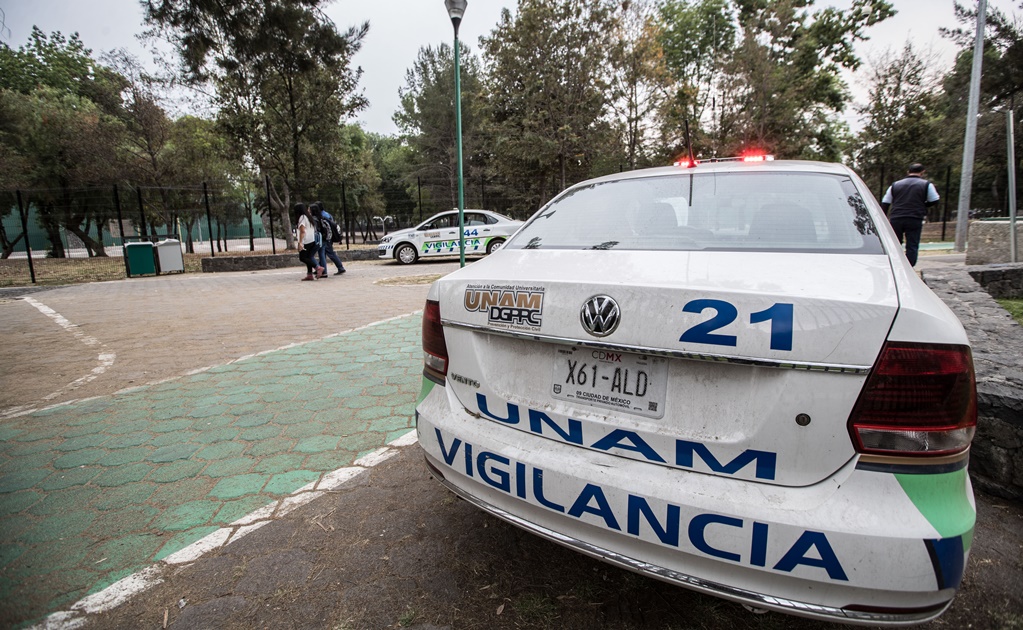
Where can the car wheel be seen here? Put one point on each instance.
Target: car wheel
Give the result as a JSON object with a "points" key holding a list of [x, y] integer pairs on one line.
{"points": [[494, 245], [406, 254]]}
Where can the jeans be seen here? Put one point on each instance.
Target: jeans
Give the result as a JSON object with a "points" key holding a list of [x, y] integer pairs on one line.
{"points": [[327, 251], [308, 256], [909, 229]]}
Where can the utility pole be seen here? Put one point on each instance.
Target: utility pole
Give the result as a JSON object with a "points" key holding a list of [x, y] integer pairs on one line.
{"points": [[1011, 138], [970, 142]]}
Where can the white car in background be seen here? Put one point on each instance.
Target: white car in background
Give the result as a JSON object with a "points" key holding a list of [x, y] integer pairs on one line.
{"points": [[727, 377], [484, 231]]}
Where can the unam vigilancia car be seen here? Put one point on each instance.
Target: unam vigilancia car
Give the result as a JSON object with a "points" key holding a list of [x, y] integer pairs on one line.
{"points": [[485, 232], [727, 377]]}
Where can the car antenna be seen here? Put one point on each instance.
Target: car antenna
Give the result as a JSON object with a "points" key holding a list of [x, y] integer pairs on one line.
{"points": [[689, 144]]}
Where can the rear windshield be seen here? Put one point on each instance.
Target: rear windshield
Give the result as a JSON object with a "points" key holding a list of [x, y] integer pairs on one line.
{"points": [[766, 211]]}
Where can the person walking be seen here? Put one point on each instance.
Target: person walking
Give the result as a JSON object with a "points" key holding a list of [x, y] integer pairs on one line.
{"points": [[330, 232], [908, 200], [307, 238]]}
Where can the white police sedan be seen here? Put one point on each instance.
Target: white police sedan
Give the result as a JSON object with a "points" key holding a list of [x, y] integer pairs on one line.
{"points": [[725, 376], [484, 231]]}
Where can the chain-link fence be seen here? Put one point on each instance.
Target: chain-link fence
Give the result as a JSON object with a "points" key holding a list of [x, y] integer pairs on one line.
{"points": [[57, 236]]}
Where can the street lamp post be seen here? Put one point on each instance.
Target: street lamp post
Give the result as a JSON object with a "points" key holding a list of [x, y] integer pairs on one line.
{"points": [[456, 9]]}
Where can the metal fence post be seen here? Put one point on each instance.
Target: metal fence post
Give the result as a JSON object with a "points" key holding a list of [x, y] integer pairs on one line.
{"points": [[209, 221], [24, 230], [270, 212], [344, 212], [142, 213], [944, 213], [120, 229], [252, 233]]}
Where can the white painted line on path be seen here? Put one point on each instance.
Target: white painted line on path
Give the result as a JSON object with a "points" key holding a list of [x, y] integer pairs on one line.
{"points": [[124, 589], [106, 359], [24, 410]]}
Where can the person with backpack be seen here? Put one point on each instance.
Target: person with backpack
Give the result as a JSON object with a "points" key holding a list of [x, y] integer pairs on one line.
{"points": [[330, 234], [906, 203], [308, 239]]}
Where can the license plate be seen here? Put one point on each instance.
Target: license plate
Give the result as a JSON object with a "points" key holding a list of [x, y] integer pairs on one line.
{"points": [[634, 383]]}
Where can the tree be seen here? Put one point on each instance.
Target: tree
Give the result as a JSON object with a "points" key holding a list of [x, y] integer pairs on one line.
{"points": [[904, 118], [58, 124], [781, 87], [1001, 85], [197, 153], [148, 133], [637, 81], [427, 120], [548, 85], [695, 37], [281, 77], [393, 159]]}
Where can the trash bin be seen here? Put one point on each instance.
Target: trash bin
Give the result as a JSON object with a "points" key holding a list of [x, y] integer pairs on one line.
{"points": [[140, 259], [168, 256]]}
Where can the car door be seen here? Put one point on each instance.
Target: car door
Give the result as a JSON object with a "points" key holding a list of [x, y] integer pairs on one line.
{"points": [[442, 237], [477, 231]]}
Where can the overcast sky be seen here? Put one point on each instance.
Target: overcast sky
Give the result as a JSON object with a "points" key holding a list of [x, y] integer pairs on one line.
{"points": [[399, 28]]}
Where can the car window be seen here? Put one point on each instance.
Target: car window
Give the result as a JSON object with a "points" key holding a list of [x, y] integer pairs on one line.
{"points": [[442, 222], [764, 211], [475, 218], [489, 219]]}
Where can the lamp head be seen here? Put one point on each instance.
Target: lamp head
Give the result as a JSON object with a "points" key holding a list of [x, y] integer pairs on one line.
{"points": [[456, 9]]}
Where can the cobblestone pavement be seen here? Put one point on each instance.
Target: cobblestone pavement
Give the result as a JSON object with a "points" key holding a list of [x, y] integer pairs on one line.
{"points": [[94, 490]]}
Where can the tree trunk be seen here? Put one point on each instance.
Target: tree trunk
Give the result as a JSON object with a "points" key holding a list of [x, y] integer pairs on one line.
{"points": [[94, 248], [189, 243], [8, 246]]}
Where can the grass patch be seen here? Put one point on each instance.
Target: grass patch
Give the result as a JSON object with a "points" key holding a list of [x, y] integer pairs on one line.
{"points": [[538, 609], [408, 617], [14, 272], [1015, 308]]}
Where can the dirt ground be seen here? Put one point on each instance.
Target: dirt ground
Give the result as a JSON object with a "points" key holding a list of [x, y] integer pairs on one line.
{"points": [[397, 550]]}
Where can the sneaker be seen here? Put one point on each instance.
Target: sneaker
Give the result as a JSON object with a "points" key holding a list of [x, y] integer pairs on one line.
{"points": [[322, 276], [309, 277], [340, 271]]}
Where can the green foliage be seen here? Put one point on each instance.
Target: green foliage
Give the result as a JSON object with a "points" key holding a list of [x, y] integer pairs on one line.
{"points": [[1015, 308], [427, 122], [904, 117], [781, 87], [282, 79], [696, 37], [548, 86], [1001, 85]]}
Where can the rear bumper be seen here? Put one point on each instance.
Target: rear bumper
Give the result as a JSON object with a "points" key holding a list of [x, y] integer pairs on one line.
{"points": [[757, 600], [852, 549]]}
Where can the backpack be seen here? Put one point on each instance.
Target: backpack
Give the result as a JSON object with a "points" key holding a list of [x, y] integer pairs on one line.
{"points": [[335, 235], [324, 229]]}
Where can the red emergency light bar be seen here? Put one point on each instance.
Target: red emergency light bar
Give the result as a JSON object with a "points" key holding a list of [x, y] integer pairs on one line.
{"points": [[687, 163]]}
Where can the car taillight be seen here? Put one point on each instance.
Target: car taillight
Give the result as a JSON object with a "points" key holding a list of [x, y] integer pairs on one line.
{"points": [[920, 399], [435, 351]]}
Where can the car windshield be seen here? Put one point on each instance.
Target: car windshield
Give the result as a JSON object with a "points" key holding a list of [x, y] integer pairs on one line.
{"points": [[765, 211]]}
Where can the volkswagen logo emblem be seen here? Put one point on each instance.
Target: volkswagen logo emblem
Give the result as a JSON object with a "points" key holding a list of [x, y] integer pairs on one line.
{"points": [[600, 315]]}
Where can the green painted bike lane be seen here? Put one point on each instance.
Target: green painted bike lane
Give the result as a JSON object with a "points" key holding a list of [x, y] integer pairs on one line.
{"points": [[93, 491]]}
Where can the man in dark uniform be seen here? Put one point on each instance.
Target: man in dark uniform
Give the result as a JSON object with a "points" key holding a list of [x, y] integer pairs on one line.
{"points": [[909, 199]]}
